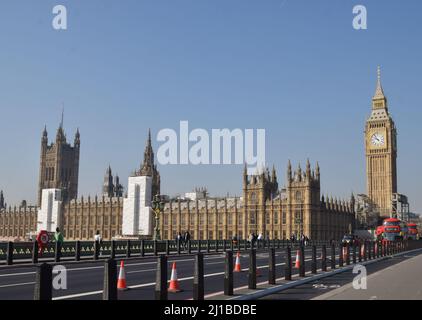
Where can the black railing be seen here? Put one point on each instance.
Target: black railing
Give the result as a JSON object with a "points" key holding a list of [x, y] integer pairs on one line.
{"points": [[27, 252]]}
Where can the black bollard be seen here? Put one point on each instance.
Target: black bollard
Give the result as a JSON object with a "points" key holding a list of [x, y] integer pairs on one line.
{"points": [[161, 279], [198, 277], [228, 274], [333, 256], [288, 267], [252, 269], [110, 280], [35, 252], [314, 260], [271, 266], [43, 282], [324, 258]]}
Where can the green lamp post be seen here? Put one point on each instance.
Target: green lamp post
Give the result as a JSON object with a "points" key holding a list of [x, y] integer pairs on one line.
{"points": [[158, 208]]}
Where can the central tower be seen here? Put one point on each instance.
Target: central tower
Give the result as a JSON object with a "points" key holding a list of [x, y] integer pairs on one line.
{"points": [[381, 153]]}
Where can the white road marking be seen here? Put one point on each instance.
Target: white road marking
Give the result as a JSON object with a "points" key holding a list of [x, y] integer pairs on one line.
{"points": [[17, 284]]}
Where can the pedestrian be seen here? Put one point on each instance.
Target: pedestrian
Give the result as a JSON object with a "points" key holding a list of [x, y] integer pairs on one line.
{"points": [[98, 239], [186, 238], [58, 236]]}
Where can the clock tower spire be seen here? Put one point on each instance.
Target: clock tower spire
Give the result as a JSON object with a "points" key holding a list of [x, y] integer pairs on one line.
{"points": [[381, 153]]}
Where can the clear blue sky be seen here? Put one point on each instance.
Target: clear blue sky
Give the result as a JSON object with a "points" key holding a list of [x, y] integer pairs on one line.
{"points": [[295, 68]]}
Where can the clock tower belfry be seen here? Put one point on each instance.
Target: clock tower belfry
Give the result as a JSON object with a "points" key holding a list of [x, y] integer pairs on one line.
{"points": [[381, 153]]}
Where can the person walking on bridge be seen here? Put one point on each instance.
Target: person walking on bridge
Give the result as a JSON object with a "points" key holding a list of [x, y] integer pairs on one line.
{"points": [[58, 236]]}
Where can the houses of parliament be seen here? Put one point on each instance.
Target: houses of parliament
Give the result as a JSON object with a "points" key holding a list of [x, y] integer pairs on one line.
{"points": [[265, 206]]}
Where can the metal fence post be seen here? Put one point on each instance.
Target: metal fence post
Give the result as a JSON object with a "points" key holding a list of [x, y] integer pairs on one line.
{"points": [[271, 267], [113, 249], [199, 246], [96, 245], [77, 250], [198, 277], [340, 256], [35, 252], [142, 248], [155, 248], [252, 269], [333, 256], [231, 245], [208, 246], [228, 274], [216, 245], [128, 252], [167, 247], [314, 260], [302, 262], [224, 246], [189, 247], [161, 279], [288, 267], [9, 258], [43, 282], [57, 251], [348, 254], [324, 258], [110, 280]]}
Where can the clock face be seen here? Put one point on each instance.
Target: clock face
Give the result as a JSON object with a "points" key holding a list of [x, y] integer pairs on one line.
{"points": [[377, 140]]}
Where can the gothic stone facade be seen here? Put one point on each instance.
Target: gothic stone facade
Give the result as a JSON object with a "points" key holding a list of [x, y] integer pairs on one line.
{"points": [[277, 214], [59, 165]]}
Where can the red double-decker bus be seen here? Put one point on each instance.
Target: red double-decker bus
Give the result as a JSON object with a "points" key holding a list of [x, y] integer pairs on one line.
{"points": [[412, 231], [390, 230]]}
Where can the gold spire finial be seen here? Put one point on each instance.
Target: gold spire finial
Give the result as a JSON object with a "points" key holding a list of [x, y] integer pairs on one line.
{"points": [[379, 92]]}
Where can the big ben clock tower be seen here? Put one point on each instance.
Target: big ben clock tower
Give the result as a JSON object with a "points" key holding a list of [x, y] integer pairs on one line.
{"points": [[381, 153]]}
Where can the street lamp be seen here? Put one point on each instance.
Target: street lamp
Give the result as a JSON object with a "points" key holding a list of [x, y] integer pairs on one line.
{"points": [[158, 207]]}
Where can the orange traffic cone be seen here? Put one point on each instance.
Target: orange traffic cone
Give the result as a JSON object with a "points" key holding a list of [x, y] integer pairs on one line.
{"points": [[297, 264], [174, 283], [237, 267], [121, 283]]}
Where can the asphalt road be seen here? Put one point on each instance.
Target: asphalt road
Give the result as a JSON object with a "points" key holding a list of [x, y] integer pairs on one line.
{"points": [[395, 278], [85, 279]]}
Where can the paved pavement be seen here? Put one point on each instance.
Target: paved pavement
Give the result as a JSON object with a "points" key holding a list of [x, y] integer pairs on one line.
{"points": [[401, 281], [394, 278], [85, 279]]}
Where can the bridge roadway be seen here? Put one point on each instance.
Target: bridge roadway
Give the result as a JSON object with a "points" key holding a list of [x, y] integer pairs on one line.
{"points": [[85, 279]]}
